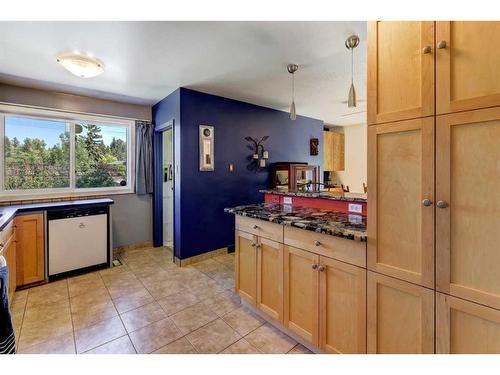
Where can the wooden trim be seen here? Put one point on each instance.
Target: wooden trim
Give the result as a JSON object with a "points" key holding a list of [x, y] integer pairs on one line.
{"points": [[239, 234], [200, 257], [444, 102], [427, 79], [426, 125]]}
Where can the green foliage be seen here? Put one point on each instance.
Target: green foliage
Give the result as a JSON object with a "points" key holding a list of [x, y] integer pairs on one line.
{"points": [[31, 164]]}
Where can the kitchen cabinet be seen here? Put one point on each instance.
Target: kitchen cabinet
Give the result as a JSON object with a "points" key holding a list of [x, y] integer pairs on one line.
{"points": [[464, 327], [401, 210], [342, 307], [8, 251], [246, 266], [467, 65], [333, 151], [302, 293], [270, 278], [400, 316], [30, 248], [400, 70], [468, 213]]}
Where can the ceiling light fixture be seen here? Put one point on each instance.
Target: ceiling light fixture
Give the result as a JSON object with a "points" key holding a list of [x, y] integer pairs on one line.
{"points": [[351, 43], [292, 68], [81, 65]]}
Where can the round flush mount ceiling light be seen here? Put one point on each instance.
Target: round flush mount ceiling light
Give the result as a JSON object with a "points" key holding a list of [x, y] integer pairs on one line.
{"points": [[81, 65]]}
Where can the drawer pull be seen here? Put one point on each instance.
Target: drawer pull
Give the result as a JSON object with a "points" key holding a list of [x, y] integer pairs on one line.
{"points": [[321, 268], [442, 204], [255, 227], [317, 243], [314, 266], [254, 244], [426, 50], [442, 44]]}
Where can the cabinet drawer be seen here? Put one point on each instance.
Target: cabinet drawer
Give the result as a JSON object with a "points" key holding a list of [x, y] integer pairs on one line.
{"points": [[260, 228], [7, 232], [348, 251]]}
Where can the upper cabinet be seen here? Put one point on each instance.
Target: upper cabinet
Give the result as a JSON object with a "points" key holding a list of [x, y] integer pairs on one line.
{"points": [[400, 70], [333, 151], [467, 65]]}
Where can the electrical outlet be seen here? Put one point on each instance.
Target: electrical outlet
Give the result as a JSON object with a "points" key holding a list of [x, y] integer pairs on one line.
{"points": [[355, 219], [287, 200], [355, 208]]}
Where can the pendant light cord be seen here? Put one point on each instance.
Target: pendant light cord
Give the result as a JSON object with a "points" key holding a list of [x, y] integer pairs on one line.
{"points": [[352, 66], [293, 87]]}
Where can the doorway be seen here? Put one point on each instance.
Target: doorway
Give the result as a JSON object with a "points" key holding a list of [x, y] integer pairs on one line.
{"points": [[168, 188]]}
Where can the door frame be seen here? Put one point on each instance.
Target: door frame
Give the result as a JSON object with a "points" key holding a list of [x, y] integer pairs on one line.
{"points": [[158, 184]]}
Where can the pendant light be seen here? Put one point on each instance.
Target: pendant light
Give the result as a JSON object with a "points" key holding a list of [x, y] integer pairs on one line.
{"points": [[351, 43], [292, 68]]}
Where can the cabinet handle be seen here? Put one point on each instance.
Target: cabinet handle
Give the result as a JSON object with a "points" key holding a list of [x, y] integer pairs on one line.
{"points": [[427, 202], [441, 44], [321, 268], [254, 244], [1, 245], [426, 50], [317, 243], [255, 227], [442, 204], [314, 266]]}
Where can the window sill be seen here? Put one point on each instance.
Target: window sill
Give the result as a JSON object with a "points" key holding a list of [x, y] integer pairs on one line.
{"points": [[55, 196]]}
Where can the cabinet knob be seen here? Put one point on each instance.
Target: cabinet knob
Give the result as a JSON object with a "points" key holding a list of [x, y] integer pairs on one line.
{"points": [[255, 227], [321, 268], [427, 202], [254, 244], [441, 44], [1, 245], [426, 50], [314, 266], [317, 243], [442, 204]]}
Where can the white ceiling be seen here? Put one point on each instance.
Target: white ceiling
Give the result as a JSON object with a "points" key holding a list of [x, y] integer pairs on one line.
{"points": [[145, 61]]}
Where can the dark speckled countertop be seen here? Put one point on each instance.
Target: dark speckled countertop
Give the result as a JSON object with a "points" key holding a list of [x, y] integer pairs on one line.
{"points": [[339, 224], [8, 212]]}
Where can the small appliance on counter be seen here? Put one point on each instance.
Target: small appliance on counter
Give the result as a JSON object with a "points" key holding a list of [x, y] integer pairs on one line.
{"points": [[294, 176], [78, 240]]}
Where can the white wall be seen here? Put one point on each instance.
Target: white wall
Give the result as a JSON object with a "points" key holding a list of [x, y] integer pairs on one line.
{"points": [[354, 173]]}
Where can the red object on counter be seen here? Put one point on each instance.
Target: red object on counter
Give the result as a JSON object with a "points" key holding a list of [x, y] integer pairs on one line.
{"points": [[322, 203]]}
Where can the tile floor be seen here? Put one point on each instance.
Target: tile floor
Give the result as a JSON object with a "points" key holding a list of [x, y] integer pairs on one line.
{"points": [[146, 305]]}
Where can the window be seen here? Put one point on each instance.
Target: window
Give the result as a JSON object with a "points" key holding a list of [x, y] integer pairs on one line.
{"points": [[43, 155]]}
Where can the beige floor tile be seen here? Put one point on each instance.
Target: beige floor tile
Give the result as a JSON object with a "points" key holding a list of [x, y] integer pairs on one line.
{"points": [[206, 290], [124, 289], [223, 302], [243, 321], [64, 344], [209, 267], [181, 346], [142, 316], [213, 337], [226, 259], [114, 272], [17, 319], [19, 300], [40, 313], [123, 345], [36, 333], [224, 277], [268, 339], [155, 336], [129, 301], [241, 347], [87, 300], [299, 349], [121, 278], [98, 334], [47, 294], [177, 302], [165, 288], [193, 318], [93, 314], [82, 284]]}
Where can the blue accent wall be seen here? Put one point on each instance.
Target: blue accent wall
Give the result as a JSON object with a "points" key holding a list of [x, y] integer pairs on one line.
{"points": [[200, 222]]}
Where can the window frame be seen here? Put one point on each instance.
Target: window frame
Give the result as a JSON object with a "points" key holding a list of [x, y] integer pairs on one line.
{"points": [[71, 120]]}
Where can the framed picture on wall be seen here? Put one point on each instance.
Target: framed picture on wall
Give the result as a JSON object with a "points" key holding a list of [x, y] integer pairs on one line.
{"points": [[206, 149]]}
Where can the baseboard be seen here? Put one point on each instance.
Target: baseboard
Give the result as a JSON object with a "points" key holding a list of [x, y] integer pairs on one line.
{"points": [[133, 246], [200, 257], [281, 327]]}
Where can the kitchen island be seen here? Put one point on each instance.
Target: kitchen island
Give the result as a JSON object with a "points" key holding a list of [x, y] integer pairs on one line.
{"points": [[303, 269]]}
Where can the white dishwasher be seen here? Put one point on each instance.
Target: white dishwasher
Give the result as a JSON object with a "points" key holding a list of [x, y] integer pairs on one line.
{"points": [[78, 240]]}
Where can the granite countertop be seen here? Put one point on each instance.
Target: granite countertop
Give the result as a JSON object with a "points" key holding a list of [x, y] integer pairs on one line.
{"points": [[339, 224], [8, 212], [351, 197]]}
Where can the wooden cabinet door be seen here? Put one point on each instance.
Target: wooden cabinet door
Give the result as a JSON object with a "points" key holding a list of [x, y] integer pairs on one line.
{"points": [[328, 151], [400, 70], [400, 316], [270, 278], [342, 307], [401, 176], [301, 293], [467, 65], [30, 249], [246, 266], [464, 327], [468, 184]]}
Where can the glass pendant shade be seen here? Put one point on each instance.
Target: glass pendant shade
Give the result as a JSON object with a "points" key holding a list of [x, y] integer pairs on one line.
{"points": [[293, 114], [351, 99]]}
